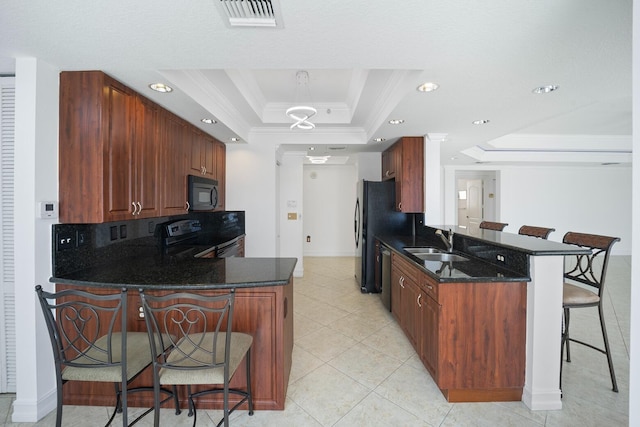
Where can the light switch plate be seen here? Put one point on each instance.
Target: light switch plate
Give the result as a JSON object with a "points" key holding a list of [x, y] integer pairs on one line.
{"points": [[47, 209]]}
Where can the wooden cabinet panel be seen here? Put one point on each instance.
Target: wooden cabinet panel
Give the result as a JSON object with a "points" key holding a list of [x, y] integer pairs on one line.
{"points": [[470, 336], [202, 157], [404, 163], [123, 157], [146, 171], [220, 154], [173, 160], [108, 164]]}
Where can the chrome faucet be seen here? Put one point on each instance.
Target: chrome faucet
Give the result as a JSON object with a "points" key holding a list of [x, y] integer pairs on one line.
{"points": [[448, 242]]}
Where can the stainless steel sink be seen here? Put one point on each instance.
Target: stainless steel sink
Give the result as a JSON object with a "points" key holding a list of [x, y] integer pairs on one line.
{"points": [[442, 257], [415, 250]]}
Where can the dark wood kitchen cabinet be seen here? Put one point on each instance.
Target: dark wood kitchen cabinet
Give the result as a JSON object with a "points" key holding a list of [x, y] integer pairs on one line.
{"points": [[108, 164], [174, 154], [404, 279], [471, 336], [202, 156], [122, 157], [404, 163], [221, 172]]}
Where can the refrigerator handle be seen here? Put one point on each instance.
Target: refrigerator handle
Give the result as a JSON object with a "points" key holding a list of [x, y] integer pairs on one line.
{"points": [[356, 223]]}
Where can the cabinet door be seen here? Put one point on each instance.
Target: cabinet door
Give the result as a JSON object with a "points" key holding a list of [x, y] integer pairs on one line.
{"points": [[410, 300], [410, 175], [396, 284], [202, 156], [428, 338], [173, 158], [120, 154], [146, 158], [220, 155]]}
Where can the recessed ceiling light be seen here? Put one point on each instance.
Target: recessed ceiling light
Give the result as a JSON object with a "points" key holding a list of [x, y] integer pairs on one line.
{"points": [[312, 148], [379, 139], [428, 87], [234, 139], [545, 89], [396, 121], [209, 121], [161, 87], [480, 122]]}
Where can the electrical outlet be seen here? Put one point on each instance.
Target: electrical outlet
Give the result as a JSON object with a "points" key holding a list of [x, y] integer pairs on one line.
{"points": [[65, 241], [113, 230]]}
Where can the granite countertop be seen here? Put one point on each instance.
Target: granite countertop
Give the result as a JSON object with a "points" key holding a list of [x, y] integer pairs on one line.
{"points": [[161, 272], [471, 270], [524, 244]]}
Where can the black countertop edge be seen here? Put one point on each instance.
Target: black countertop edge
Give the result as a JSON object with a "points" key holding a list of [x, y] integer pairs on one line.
{"points": [[154, 273], [473, 270], [524, 244]]}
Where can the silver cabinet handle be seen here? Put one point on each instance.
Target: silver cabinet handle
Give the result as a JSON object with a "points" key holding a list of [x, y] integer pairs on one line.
{"points": [[187, 206], [134, 208], [139, 207], [402, 281], [418, 301]]}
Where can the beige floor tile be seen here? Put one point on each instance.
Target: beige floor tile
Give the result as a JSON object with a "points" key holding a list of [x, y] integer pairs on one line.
{"points": [[376, 411], [327, 394], [366, 365]]}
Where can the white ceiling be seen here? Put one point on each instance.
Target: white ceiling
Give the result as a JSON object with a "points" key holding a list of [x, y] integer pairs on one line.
{"points": [[364, 60]]}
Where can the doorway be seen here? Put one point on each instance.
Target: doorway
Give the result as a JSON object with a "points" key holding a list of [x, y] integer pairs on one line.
{"points": [[476, 198]]}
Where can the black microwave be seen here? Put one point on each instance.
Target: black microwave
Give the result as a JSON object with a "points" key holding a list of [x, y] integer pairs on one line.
{"points": [[203, 193]]}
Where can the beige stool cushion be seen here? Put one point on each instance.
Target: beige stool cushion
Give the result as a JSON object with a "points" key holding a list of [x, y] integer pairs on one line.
{"points": [[576, 295], [240, 344]]}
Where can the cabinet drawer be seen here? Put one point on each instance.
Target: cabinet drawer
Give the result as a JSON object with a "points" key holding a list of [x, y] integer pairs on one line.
{"points": [[429, 286], [409, 271]]}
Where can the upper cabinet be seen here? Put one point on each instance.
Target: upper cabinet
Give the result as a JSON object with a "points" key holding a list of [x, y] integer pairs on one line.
{"points": [[108, 163], [123, 157], [221, 170], [202, 156], [404, 163]]}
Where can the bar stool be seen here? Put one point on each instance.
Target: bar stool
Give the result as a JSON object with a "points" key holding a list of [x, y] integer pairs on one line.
{"points": [[88, 340], [202, 351], [489, 225], [590, 272], [530, 230]]}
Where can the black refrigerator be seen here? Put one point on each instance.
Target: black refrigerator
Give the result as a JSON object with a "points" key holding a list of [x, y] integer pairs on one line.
{"points": [[375, 215]]}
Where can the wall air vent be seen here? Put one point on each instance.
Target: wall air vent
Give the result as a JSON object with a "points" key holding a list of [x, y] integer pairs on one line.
{"points": [[251, 13]]}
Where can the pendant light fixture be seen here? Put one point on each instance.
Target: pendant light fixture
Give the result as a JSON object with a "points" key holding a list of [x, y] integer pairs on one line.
{"points": [[302, 113]]}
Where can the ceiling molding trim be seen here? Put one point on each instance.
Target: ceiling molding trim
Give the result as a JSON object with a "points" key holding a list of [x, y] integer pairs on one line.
{"points": [[356, 87], [394, 91], [196, 85], [284, 135], [547, 156], [249, 88], [564, 142]]}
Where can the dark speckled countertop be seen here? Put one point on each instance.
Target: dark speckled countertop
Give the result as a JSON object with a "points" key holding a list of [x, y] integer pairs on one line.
{"points": [[160, 272], [482, 250]]}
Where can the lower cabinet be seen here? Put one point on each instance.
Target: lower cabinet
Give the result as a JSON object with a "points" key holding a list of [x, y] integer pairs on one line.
{"points": [[471, 336]]}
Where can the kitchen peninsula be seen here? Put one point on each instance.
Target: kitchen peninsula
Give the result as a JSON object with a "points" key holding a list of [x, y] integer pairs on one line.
{"points": [[489, 259], [263, 305]]}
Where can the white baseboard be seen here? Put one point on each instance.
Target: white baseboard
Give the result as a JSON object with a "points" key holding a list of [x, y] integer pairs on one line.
{"points": [[30, 411]]}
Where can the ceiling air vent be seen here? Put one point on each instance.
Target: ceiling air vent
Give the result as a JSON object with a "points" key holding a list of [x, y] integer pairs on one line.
{"points": [[251, 13]]}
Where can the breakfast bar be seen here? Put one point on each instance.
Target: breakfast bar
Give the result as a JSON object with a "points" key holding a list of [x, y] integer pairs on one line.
{"points": [[512, 257], [263, 308]]}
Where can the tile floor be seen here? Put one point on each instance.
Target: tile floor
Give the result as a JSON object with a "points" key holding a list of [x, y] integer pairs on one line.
{"points": [[352, 366]]}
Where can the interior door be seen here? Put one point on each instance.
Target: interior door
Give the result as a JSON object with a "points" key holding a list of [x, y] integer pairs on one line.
{"points": [[474, 204]]}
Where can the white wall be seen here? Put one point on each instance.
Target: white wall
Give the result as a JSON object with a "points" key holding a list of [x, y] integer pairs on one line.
{"points": [[585, 199], [329, 204], [36, 178], [251, 187], [291, 202], [369, 166]]}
